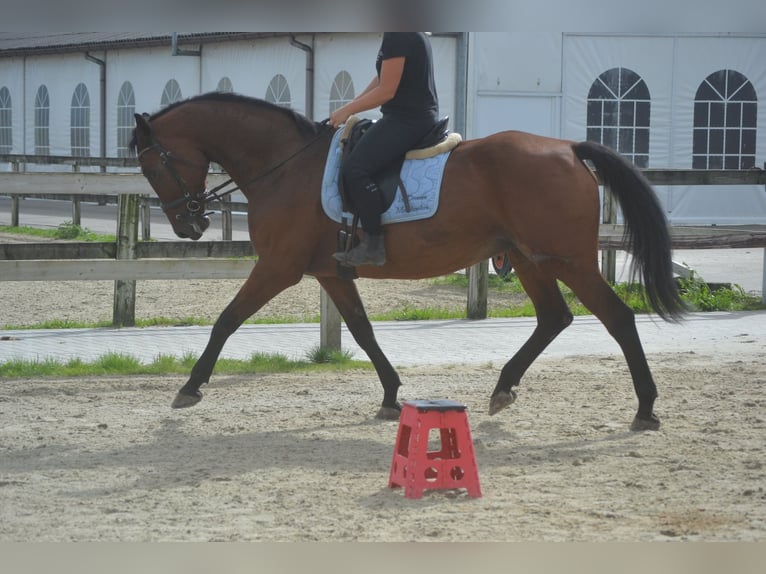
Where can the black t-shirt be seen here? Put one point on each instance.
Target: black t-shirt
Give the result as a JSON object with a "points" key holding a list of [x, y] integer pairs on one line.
{"points": [[416, 94]]}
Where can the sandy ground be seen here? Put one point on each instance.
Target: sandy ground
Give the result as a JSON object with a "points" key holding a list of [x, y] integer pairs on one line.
{"points": [[299, 457]]}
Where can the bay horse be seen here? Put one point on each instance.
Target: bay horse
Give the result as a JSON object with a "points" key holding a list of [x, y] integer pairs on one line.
{"points": [[531, 197]]}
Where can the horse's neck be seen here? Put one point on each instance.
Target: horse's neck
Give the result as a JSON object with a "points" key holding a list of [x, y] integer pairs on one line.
{"points": [[247, 149], [255, 153]]}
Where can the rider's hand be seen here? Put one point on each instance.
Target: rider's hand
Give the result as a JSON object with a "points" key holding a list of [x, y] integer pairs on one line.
{"points": [[339, 117]]}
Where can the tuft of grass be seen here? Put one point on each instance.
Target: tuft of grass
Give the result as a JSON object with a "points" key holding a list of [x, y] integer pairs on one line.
{"points": [[701, 297], [125, 364], [408, 313], [116, 363], [58, 324], [66, 230], [322, 356]]}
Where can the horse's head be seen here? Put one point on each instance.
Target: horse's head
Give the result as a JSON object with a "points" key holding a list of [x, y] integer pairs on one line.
{"points": [[177, 177]]}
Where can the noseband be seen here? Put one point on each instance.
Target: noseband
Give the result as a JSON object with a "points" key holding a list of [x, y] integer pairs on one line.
{"points": [[195, 204]]}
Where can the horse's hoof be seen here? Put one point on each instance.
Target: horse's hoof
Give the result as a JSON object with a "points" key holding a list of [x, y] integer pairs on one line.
{"points": [[500, 401], [652, 424], [388, 414], [184, 401]]}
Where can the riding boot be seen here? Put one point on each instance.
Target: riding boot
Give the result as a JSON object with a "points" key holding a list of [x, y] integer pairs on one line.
{"points": [[370, 251]]}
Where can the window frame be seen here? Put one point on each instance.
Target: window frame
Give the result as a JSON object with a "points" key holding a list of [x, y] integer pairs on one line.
{"points": [[225, 85], [724, 133], [6, 121], [171, 93], [275, 92], [126, 108], [42, 119], [619, 114], [79, 122], [341, 90]]}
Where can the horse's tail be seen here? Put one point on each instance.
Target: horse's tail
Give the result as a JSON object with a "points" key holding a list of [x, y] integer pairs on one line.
{"points": [[647, 235]]}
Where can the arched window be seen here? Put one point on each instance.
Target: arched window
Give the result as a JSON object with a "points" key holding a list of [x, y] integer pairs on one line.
{"points": [[79, 124], [225, 85], [618, 114], [126, 108], [278, 91], [342, 91], [725, 122], [6, 121], [42, 121], [171, 93]]}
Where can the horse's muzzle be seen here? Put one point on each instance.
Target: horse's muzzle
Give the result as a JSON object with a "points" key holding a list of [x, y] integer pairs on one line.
{"points": [[191, 226]]}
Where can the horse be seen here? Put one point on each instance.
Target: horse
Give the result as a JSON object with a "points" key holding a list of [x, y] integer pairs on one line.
{"points": [[532, 197]]}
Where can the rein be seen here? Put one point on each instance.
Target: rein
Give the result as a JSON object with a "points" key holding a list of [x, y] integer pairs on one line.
{"points": [[213, 194], [196, 203]]}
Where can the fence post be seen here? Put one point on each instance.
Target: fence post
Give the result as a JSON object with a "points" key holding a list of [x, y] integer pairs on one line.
{"points": [[226, 225], [15, 200], [76, 211], [15, 203], [763, 280], [124, 309], [329, 323], [609, 256], [146, 215], [478, 282]]}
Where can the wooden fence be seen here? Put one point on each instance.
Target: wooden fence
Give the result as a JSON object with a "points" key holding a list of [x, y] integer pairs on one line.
{"points": [[129, 260]]}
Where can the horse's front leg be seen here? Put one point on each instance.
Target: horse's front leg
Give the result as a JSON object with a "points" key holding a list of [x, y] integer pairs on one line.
{"points": [[261, 286], [344, 294]]}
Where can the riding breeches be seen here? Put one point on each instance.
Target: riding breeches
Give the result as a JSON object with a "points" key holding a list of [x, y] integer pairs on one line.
{"points": [[386, 141]]}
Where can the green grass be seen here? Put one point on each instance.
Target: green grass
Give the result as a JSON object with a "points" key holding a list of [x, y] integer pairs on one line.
{"points": [[695, 292], [66, 230], [125, 364], [701, 297]]}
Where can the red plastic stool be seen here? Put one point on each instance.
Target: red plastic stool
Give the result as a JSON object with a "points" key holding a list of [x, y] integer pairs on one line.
{"points": [[416, 468]]}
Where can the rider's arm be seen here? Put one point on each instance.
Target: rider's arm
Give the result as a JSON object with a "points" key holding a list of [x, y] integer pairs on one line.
{"points": [[377, 93]]}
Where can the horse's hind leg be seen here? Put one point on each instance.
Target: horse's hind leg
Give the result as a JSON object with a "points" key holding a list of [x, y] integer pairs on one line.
{"points": [[596, 294], [553, 316], [344, 294]]}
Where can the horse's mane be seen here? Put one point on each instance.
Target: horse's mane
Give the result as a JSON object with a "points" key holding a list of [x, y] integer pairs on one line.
{"points": [[304, 125]]}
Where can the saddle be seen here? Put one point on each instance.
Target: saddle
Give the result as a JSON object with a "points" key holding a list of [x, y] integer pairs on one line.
{"points": [[389, 181], [436, 141]]}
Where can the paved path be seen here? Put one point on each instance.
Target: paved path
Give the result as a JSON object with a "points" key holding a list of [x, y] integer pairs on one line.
{"points": [[405, 343]]}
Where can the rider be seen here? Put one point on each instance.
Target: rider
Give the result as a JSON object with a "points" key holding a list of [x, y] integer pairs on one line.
{"points": [[404, 89]]}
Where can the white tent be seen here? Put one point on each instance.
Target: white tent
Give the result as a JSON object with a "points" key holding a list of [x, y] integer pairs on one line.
{"points": [[538, 77]]}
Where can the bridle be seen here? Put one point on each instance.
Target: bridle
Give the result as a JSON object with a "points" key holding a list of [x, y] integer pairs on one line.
{"points": [[195, 203]]}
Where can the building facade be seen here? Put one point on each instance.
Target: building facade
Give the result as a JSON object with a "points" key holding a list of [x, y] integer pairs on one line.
{"points": [[664, 101]]}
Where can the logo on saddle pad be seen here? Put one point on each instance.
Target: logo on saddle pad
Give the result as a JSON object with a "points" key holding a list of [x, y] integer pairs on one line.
{"points": [[421, 179]]}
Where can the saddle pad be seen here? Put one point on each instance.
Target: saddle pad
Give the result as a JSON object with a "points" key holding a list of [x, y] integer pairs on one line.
{"points": [[422, 178]]}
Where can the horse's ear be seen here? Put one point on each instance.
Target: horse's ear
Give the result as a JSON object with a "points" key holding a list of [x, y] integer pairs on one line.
{"points": [[142, 124]]}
